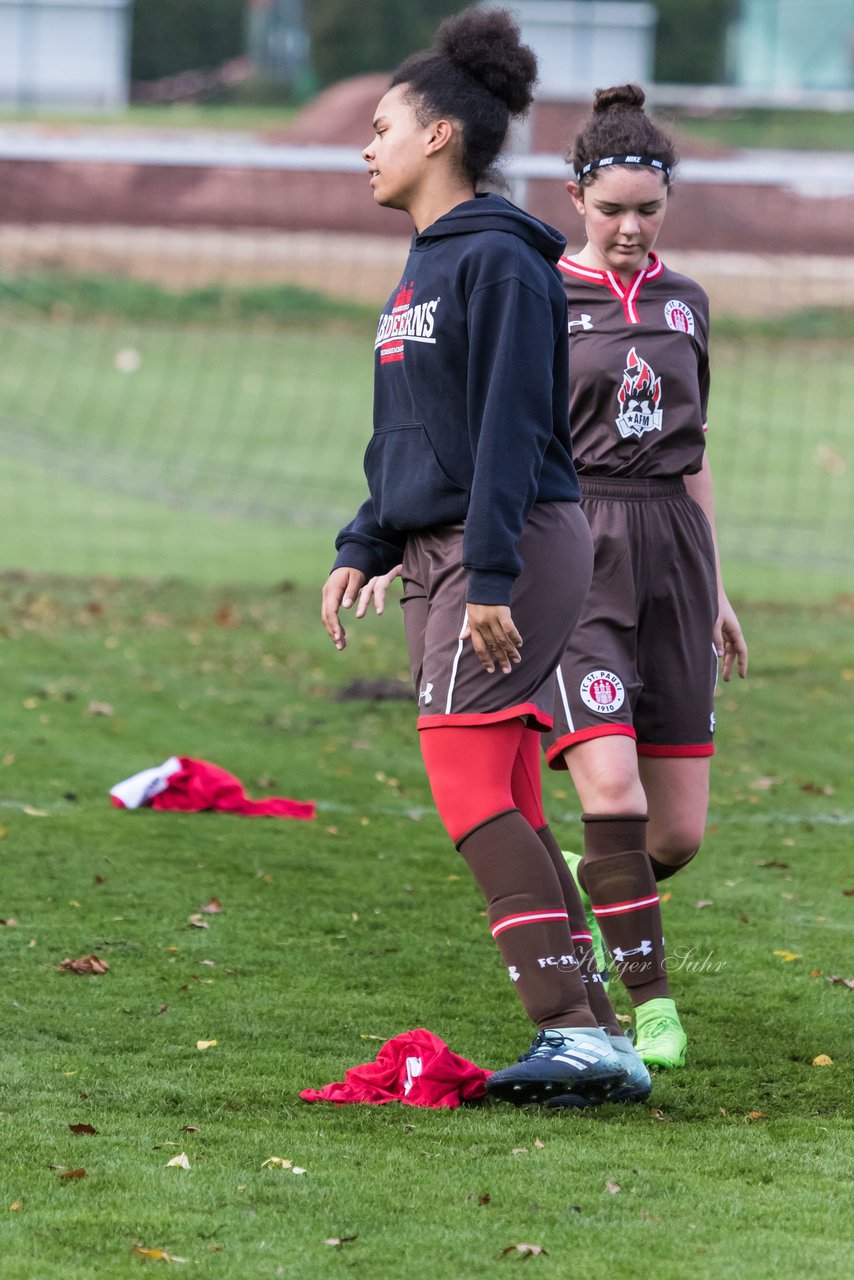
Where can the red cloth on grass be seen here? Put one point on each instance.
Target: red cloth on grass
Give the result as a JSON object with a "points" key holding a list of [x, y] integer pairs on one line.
{"points": [[190, 785], [416, 1068]]}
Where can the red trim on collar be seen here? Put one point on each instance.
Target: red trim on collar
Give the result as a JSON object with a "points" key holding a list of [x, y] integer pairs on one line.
{"points": [[627, 295]]}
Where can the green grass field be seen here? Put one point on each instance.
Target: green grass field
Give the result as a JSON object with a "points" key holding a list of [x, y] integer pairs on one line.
{"points": [[338, 934], [219, 436], [774, 127]]}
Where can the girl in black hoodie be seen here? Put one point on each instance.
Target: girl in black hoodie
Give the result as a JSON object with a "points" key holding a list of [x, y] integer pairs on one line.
{"points": [[472, 486]]}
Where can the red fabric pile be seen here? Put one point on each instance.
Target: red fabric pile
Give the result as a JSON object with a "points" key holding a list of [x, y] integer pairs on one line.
{"points": [[416, 1068], [194, 785]]}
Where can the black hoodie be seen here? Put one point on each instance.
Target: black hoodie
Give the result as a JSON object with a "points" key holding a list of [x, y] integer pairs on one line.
{"points": [[470, 396]]}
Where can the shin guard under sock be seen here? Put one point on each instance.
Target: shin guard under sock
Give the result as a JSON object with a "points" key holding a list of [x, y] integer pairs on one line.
{"points": [[528, 919], [582, 942], [618, 879]]}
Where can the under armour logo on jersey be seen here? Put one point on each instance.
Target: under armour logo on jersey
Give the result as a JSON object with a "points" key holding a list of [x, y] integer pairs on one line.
{"points": [[514, 973], [426, 695], [645, 949], [585, 321]]}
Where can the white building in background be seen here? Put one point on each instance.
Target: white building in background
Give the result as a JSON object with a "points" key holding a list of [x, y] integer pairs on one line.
{"points": [[584, 44], [64, 53], [788, 45]]}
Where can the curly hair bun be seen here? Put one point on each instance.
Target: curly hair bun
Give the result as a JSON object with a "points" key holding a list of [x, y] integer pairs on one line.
{"points": [[486, 43], [620, 97]]}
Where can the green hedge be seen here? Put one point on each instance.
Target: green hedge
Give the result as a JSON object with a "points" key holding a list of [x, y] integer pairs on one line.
{"points": [[690, 43], [349, 38], [180, 35]]}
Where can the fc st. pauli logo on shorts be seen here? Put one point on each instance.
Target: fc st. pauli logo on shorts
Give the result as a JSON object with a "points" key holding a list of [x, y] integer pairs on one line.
{"points": [[639, 398], [602, 691], [405, 323]]}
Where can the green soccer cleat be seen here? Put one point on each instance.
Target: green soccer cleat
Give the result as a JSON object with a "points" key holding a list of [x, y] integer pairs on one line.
{"points": [[660, 1040], [597, 943]]}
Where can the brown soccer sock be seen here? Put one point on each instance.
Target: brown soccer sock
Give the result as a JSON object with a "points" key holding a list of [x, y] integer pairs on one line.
{"points": [[618, 878], [597, 996], [528, 919]]}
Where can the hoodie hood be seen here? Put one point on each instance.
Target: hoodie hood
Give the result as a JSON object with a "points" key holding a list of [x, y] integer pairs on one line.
{"points": [[489, 212]]}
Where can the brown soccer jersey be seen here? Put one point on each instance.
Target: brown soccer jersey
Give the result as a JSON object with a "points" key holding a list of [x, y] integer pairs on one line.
{"points": [[639, 371]]}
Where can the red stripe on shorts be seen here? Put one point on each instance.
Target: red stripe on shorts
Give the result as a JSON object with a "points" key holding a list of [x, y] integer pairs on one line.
{"points": [[585, 735], [541, 719]]}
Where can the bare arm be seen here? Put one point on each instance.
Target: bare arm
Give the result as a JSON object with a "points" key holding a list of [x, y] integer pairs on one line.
{"points": [[728, 637]]}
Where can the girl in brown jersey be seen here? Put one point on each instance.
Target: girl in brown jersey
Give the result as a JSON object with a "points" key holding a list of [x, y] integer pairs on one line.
{"points": [[634, 716], [471, 484]]}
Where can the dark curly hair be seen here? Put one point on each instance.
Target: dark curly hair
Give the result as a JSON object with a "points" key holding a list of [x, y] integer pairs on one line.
{"points": [[478, 73], [620, 126]]}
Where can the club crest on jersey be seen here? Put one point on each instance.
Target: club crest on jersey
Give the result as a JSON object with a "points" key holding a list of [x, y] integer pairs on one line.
{"points": [[603, 692], [405, 323], [639, 398], [679, 316]]}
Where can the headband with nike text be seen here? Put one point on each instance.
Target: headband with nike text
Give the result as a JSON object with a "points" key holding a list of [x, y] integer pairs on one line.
{"points": [[606, 161]]}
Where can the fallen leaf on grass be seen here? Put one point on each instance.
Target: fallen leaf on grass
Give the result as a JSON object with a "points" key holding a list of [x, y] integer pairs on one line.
{"points": [[197, 922], [205, 1044], [848, 893], [73, 1173], [756, 1115], [277, 1162], [813, 789], [213, 908], [704, 902], [764, 784], [519, 1151], [822, 1061], [846, 982], [337, 1242], [612, 1188], [539, 1145], [665, 897], [191, 1128], [658, 1113], [157, 1255], [178, 1162], [624, 1017], [82, 1128], [15, 1205], [366, 1037], [772, 862], [787, 956], [100, 709], [9, 923], [84, 964], [526, 1250]]}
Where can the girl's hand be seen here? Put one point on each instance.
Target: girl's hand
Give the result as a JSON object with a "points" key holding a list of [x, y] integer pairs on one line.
{"points": [[729, 640], [376, 590], [339, 592], [493, 636]]}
